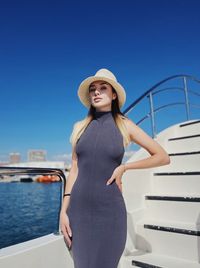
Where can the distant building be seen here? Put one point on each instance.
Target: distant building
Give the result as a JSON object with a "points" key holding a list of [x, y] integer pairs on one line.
{"points": [[14, 158], [36, 155], [4, 163]]}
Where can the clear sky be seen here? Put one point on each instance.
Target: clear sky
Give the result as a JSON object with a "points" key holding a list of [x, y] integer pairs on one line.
{"points": [[48, 47]]}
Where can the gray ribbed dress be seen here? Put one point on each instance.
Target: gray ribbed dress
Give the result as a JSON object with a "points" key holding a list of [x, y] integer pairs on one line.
{"points": [[97, 212]]}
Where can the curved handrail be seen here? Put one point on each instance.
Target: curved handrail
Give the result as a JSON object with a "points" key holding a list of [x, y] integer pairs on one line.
{"points": [[154, 90]]}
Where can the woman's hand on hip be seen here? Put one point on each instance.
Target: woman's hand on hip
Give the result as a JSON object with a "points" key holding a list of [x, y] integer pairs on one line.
{"points": [[117, 175]]}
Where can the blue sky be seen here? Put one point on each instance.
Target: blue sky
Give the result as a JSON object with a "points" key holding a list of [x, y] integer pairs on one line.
{"points": [[48, 47]]}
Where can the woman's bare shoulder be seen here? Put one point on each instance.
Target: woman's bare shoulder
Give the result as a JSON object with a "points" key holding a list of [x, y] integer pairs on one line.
{"points": [[133, 129], [127, 121]]}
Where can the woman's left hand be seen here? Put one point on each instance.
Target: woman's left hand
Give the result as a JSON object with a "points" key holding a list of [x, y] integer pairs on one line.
{"points": [[117, 175]]}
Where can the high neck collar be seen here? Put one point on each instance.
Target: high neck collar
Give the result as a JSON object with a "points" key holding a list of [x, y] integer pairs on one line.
{"points": [[100, 115]]}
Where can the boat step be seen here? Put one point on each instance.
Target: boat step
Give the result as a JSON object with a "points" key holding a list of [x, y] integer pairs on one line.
{"points": [[184, 137], [176, 185], [185, 128], [184, 153], [172, 239], [183, 173], [190, 123], [173, 198], [151, 260], [173, 229], [182, 162], [175, 211], [183, 143]]}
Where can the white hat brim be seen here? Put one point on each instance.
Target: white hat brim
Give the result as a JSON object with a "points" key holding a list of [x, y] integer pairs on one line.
{"points": [[83, 90]]}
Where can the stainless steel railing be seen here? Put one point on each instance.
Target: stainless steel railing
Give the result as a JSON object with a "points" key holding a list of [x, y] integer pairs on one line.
{"points": [[155, 90]]}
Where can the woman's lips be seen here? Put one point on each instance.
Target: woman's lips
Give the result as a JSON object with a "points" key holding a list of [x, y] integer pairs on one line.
{"points": [[97, 99]]}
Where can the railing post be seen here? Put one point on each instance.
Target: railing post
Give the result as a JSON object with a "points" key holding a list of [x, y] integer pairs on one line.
{"points": [[186, 97], [62, 189], [153, 129]]}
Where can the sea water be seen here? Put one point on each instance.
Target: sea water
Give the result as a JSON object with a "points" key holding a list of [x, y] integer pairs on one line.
{"points": [[28, 210]]}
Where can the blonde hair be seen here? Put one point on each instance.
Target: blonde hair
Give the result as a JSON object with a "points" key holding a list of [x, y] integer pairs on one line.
{"points": [[80, 126]]}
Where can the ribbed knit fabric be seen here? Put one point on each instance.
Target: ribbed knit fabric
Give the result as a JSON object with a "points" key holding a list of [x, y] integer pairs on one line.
{"points": [[97, 212]]}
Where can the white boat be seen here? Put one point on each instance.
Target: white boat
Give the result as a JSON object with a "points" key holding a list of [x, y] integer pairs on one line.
{"points": [[163, 203]]}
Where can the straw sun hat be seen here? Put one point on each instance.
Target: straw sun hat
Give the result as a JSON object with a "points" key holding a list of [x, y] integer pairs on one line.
{"points": [[107, 76]]}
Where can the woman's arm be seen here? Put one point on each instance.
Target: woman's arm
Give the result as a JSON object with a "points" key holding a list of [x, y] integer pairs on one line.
{"points": [[70, 181], [159, 156]]}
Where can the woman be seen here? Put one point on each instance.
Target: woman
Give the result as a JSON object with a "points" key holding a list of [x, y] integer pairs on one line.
{"points": [[95, 225]]}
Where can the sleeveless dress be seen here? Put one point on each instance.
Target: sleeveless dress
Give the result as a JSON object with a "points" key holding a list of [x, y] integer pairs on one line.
{"points": [[96, 211]]}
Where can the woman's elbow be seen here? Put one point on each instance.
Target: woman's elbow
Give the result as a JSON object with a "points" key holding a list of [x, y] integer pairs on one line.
{"points": [[165, 159]]}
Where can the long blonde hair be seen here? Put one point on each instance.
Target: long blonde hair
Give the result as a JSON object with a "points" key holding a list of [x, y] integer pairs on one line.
{"points": [[118, 116]]}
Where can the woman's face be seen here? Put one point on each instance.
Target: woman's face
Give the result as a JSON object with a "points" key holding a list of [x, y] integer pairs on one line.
{"points": [[101, 95]]}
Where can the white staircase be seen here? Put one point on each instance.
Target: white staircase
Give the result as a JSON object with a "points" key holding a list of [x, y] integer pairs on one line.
{"points": [[163, 204]]}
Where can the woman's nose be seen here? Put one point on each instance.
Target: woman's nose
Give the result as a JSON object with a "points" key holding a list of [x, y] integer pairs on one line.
{"points": [[97, 91]]}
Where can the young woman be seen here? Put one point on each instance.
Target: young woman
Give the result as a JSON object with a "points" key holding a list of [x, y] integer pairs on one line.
{"points": [[93, 216]]}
